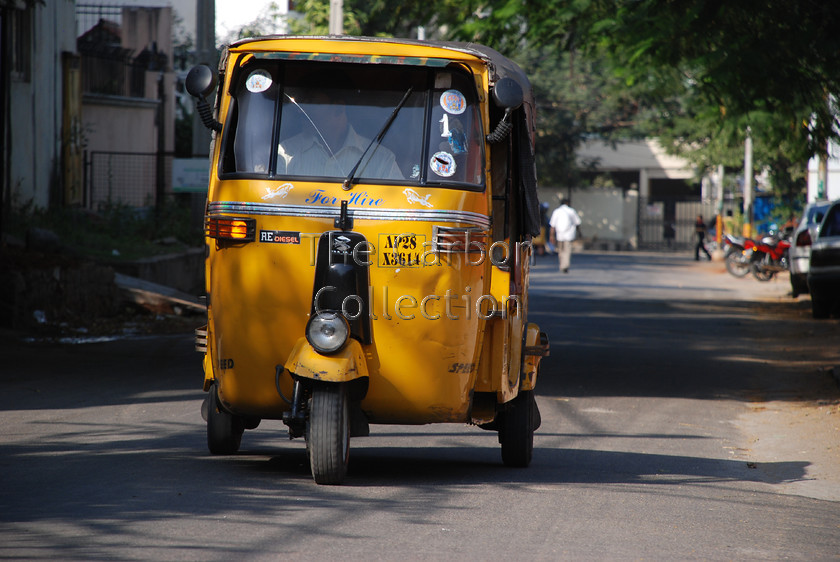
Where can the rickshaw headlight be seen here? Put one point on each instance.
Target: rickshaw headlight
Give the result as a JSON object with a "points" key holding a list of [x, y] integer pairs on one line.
{"points": [[327, 331]]}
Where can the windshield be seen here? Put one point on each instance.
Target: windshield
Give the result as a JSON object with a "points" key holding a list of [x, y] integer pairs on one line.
{"points": [[815, 214], [311, 120], [831, 223]]}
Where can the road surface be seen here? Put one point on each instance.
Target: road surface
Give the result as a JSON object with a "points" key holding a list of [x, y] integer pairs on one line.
{"points": [[686, 415]]}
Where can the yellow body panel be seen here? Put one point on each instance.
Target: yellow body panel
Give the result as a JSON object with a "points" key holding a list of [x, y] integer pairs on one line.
{"points": [[426, 333]]}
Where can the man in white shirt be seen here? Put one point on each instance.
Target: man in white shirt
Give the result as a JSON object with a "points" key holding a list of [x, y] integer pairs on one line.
{"points": [[564, 222]]}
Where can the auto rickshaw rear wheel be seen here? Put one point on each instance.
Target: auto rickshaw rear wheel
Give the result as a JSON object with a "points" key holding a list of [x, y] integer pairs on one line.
{"points": [[328, 432], [516, 430], [224, 430]]}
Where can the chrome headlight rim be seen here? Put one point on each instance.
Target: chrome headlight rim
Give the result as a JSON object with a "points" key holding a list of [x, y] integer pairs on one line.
{"points": [[329, 320]]}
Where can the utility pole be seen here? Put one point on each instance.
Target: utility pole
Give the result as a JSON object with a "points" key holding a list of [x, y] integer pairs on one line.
{"points": [[823, 147], [205, 53], [719, 206], [336, 17], [822, 174], [748, 185]]}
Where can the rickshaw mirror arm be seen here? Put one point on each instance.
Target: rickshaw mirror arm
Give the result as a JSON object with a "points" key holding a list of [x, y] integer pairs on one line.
{"points": [[199, 83], [502, 129]]}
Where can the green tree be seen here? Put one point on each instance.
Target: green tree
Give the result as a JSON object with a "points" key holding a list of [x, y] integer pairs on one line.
{"points": [[694, 73], [380, 18], [698, 73], [569, 89], [576, 100]]}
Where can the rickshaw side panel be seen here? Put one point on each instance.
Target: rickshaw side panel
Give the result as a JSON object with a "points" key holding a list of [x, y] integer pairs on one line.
{"points": [[254, 303]]}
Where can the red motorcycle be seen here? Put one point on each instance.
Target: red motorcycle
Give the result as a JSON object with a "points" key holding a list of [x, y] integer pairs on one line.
{"points": [[737, 257], [769, 256]]}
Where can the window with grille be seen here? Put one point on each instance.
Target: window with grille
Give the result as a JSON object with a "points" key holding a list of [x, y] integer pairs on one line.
{"points": [[20, 43]]}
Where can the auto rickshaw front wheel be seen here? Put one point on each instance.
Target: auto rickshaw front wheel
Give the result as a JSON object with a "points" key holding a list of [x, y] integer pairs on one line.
{"points": [[224, 430], [328, 432], [516, 430]]}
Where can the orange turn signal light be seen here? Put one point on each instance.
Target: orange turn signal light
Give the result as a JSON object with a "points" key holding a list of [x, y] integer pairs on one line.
{"points": [[230, 228]]}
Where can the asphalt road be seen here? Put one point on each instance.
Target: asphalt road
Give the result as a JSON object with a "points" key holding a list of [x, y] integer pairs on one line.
{"points": [[680, 421]]}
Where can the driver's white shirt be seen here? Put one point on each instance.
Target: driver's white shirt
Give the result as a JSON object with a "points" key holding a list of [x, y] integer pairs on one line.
{"points": [[306, 155]]}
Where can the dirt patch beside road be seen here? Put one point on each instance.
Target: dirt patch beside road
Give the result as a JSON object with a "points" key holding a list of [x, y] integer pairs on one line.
{"points": [[794, 402], [795, 411]]}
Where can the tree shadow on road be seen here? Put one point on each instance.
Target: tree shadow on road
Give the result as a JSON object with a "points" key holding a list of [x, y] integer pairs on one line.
{"points": [[694, 349], [407, 466]]}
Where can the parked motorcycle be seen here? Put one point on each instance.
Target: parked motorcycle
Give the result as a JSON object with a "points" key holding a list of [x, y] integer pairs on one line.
{"points": [[769, 256], [737, 257]]}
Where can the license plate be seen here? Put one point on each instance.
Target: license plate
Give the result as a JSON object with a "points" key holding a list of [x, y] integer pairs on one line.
{"points": [[401, 250]]}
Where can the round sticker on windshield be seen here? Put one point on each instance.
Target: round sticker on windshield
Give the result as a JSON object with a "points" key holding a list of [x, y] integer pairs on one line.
{"points": [[258, 81], [453, 101], [443, 164]]}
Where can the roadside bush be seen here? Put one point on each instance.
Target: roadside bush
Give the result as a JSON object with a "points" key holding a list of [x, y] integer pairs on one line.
{"points": [[115, 232]]}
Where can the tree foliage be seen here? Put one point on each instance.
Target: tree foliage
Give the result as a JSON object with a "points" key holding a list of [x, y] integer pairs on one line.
{"points": [[698, 74], [763, 67], [375, 18]]}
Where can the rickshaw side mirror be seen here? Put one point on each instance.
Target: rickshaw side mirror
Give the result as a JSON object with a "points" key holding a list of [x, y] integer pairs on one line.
{"points": [[201, 80], [507, 93]]}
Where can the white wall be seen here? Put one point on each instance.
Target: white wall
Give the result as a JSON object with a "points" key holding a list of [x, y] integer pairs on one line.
{"points": [[601, 212], [833, 191], [35, 107], [607, 214], [120, 124]]}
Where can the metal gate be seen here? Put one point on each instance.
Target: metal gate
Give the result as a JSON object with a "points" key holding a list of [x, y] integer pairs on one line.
{"points": [[669, 224]]}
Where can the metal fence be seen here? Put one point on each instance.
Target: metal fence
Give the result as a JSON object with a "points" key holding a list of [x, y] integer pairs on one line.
{"points": [[669, 224], [90, 15], [126, 178], [112, 75], [108, 67]]}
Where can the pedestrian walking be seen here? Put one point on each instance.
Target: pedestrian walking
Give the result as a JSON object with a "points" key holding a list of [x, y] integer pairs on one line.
{"points": [[700, 232], [540, 245], [545, 226], [564, 226]]}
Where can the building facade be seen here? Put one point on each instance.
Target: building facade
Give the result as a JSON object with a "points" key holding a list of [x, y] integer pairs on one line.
{"points": [[38, 59]]}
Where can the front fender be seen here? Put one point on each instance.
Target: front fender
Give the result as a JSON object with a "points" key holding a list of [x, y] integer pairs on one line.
{"points": [[346, 365]]}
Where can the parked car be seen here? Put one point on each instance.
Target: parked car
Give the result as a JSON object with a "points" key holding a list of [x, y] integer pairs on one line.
{"points": [[800, 245], [824, 269]]}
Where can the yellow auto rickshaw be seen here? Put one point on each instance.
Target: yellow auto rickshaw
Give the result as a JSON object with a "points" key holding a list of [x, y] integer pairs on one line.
{"points": [[368, 223]]}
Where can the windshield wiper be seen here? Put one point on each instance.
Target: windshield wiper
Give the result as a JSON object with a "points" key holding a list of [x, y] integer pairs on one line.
{"points": [[377, 139], [311, 122]]}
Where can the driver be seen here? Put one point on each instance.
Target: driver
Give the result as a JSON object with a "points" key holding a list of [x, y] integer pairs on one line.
{"points": [[328, 145]]}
